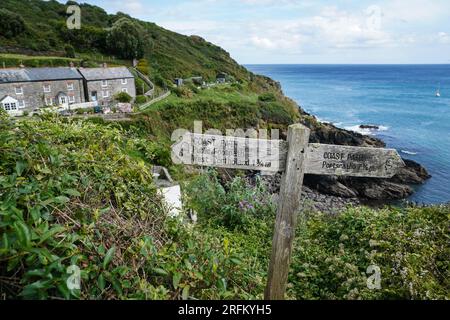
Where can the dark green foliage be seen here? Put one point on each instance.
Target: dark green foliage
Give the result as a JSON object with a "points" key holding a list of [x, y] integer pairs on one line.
{"points": [[11, 24], [70, 51], [267, 97], [332, 253], [71, 197], [234, 205], [169, 55], [409, 245], [143, 66], [141, 99], [276, 113], [123, 97], [126, 39]]}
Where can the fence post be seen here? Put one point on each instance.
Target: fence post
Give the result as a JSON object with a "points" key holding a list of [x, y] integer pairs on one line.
{"points": [[288, 209]]}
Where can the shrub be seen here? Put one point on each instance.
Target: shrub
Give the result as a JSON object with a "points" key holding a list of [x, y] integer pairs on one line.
{"points": [[410, 246], [143, 66], [123, 97], [70, 51], [126, 40], [141, 99], [11, 24], [68, 202], [183, 92], [267, 97], [233, 205]]}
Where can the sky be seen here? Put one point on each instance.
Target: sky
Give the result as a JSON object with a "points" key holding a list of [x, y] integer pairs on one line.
{"points": [[306, 31]]}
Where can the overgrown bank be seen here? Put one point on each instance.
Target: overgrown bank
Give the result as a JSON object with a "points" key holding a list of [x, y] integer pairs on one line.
{"points": [[80, 193]]}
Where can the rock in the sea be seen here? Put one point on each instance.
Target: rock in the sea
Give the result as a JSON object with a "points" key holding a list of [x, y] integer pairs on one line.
{"points": [[369, 126], [412, 173]]}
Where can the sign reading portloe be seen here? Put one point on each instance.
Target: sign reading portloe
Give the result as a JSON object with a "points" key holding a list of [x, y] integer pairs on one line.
{"points": [[295, 157], [351, 161]]}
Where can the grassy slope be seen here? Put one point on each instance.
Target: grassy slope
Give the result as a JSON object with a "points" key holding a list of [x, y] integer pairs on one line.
{"points": [[170, 54], [61, 205]]}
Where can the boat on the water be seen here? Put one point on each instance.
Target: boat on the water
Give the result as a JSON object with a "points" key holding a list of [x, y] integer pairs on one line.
{"points": [[438, 92]]}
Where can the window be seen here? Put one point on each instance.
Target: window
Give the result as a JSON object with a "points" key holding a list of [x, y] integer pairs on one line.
{"points": [[104, 83], [10, 106], [105, 94], [125, 90], [124, 81], [71, 99], [21, 103], [62, 100], [70, 86], [19, 90], [48, 101], [47, 88]]}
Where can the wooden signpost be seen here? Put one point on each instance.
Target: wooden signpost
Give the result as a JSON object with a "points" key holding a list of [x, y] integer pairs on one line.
{"points": [[295, 157]]}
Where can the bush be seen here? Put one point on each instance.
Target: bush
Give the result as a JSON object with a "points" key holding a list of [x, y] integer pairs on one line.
{"points": [[141, 99], [267, 97], [410, 246], [123, 97], [126, 40], [234, 205], [143, 66], [70, 51], [11, 24], [59, 208], [183, 92]]}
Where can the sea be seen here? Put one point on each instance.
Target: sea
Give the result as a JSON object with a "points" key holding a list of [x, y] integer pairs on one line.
{"points": [[400, 99]]}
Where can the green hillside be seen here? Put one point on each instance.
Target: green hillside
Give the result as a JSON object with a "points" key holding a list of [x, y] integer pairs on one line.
{"points": [[39, 27], [79, 193]]}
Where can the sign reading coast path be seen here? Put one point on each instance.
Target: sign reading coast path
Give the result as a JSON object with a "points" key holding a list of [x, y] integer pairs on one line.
{"points": [[295, 157], [270, 155]]}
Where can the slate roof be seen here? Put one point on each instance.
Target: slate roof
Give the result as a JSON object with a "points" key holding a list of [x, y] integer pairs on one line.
{"points": [[38, 74], [91, 74]]}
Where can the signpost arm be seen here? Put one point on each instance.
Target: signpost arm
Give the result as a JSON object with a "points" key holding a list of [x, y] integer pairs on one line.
{"points": [[288, 209]]}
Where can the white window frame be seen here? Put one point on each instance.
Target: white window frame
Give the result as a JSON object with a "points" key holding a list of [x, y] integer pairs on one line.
{"points": [[47, 100], [62, 100], [45, 86], [21, 103], [10, 106], [70, 87], [124, 81], [105, 94], [104, 83], [125, 90], [72, 99], [19, 92]]}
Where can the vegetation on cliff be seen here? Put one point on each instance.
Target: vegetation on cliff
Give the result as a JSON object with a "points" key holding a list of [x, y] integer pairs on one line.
{"points": [[76, 193]]}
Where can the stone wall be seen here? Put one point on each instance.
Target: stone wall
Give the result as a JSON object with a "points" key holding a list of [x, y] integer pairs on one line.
{"points": [[112, 88], [33, 95]]}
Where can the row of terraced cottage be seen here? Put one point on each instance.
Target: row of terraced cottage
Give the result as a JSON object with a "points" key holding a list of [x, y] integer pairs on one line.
{"points": [[27, 90]]}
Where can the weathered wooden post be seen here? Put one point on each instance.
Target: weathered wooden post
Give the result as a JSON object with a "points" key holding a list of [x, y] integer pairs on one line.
{"points": [[288, 209]]}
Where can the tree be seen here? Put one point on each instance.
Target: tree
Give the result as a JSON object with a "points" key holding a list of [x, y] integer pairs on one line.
{"points": [[11, 24], [70, 51], [125, 39]]}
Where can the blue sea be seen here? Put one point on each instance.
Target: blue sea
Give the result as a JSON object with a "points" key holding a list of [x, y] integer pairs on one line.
{"points": [[400, 99]]}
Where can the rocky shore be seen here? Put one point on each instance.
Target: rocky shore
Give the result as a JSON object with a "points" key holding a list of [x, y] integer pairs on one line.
{"points": [[330, 193]]}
